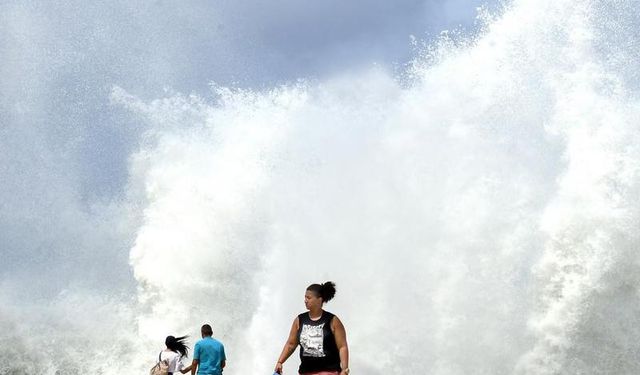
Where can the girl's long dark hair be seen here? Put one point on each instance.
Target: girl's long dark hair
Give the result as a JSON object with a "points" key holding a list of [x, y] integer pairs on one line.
{"points": [[177, 344]]}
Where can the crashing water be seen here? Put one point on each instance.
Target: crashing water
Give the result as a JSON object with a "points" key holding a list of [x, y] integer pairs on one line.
{"points": [[479, 214]]}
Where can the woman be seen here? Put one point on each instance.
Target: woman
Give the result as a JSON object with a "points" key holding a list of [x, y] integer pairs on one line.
{"points": [[174, 352], [320, 334]]}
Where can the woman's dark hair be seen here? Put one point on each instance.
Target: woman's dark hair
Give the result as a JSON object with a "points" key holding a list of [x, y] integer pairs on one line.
{"points": [[326, 291], [177, 344]]}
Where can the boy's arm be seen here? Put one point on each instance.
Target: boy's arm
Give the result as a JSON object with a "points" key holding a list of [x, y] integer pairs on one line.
{"points": [[196, 359]]}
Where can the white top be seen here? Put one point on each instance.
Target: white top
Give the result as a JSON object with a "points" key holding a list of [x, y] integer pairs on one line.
{"points": [[173, 359]]}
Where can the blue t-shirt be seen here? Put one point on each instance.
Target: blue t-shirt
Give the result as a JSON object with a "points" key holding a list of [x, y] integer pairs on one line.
{"points": [[210, 353]]}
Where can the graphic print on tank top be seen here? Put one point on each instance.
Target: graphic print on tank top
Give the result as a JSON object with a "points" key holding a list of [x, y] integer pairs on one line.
{"points": [[311, 340]]}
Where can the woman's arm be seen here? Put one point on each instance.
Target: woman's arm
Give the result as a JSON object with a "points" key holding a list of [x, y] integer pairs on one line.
{"points": [[341, 342], [289, 346]]}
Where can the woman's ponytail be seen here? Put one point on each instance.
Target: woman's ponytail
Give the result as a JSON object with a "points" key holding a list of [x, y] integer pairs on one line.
{"points": [[326, 291]]}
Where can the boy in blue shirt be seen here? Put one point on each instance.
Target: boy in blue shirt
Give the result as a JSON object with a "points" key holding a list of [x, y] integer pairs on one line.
{"points": [[208, 354]]}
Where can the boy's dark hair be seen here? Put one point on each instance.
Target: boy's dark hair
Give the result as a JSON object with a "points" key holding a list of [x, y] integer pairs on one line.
{"points": [[206, 330]]}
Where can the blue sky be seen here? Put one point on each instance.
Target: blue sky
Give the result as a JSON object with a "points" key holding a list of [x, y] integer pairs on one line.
{"points": [[65, 147]]}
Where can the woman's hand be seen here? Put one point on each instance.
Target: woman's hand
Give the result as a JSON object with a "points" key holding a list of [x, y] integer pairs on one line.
{"points": [[278, 368], [340, 335], [289, 346]]}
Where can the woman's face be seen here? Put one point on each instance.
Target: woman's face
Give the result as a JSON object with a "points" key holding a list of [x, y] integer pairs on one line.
{"points": [[312, 301]]}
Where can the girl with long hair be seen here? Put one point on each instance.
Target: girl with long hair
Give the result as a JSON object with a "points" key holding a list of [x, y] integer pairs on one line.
{"points": [[176, 349]]}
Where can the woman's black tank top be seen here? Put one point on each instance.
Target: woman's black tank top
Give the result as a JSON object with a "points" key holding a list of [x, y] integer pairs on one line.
{"points": [[318, 349]]}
